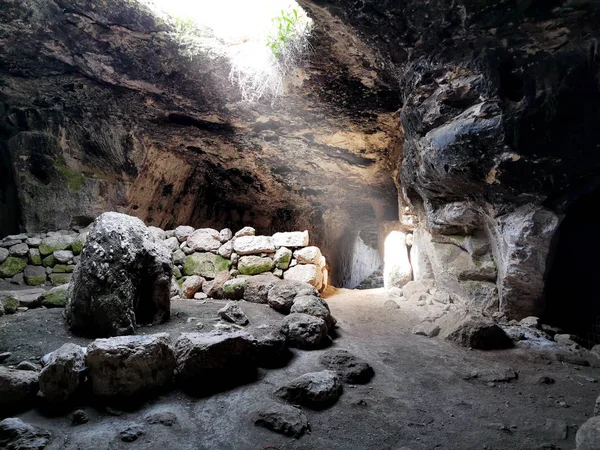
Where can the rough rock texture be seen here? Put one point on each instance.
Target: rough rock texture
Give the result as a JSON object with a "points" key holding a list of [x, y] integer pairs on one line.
{"points": [[282, 295], [305, 273], [129, 366], [18, 435], [123, 279], [232, 312], [305, 331], [191, 285], [588, 435], [282, 419], [18, 389], [62, 375], [474, 331], [258, 287], [313, 306], [350, 368], [315, 390]]}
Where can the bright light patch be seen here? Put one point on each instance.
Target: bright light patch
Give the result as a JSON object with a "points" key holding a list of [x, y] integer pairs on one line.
{"points": [[264, 39]]}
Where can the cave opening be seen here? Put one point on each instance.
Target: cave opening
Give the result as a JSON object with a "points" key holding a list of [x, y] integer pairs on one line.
{"points": [[572, 290]]}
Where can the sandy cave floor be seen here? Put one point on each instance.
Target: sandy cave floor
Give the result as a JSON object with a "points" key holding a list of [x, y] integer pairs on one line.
{"points": [[418, 399]]}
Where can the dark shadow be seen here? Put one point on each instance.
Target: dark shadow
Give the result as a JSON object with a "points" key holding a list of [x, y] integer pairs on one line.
{"points": [[572, 288]]}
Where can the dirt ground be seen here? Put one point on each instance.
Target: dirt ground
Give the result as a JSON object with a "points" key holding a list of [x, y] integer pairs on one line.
{"points": [[420, 397]]}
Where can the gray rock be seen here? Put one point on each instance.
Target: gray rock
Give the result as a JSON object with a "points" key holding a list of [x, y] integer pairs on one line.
{"points": [[225, 250], [207, 265], [34, 275], [306, 273], [291, 239], [4, 253], [234, 289], [282, 295], [130, 365], [253, 245], [182, 232], [270, 347], [308, 255], [62, 376], [350, 368], [588, 435], [215, 289], [175, 290], [131, 433], [191, 285], [391, 304], [158, 233], [18, 435], [305, 332], [232, 312], [178, 257], [282, 258], [18, 389], [79, 417], [5, 355], [28, 365], [283, 419], [33, 241], [63, 256], [258, 287], [171, 243], [55, 242], [452, 218], [314, 390], [208, 360], [314, 306], [225, 235], [166, 418], [246, 231], [474, 331], [31, 298], [204, 240], [17, 279], [427, 329], [124, 279], [254, 265], [19, 250]]}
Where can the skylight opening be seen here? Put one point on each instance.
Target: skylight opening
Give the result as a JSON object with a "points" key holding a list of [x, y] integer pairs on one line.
{"points": [[265, 40]]}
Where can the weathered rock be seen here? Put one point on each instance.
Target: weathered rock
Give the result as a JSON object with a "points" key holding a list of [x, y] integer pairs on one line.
{"points": [[254, 265], [34, 275], [474, 331], [313, 306], [131, 433], [182, 232], [282, 295], [3, 254], [234, 289], [28, 365], [258, 287], [12, 266], [291, 239], [205, 358], [350, 368], [282, 419], [18, 435], [453, 218], [306, 273], [232, 312], [270, 347], [226, 250], [123, 279], [204, 240], [427, 329], [246, 231], [225, 235], [19, 250], [79, 417], [308, 255], [130, 365], [63, 256], [253, 245], [58, 279], [305, 331], [588, 435], [158, 233], [166, 418], [215, 287], [31, 298], [10, 303], [191, 285], [55, 243], [314, 390], [18, 389], [62, 376], [171, 243], [207, 265], [282, 258], [34, 257]]}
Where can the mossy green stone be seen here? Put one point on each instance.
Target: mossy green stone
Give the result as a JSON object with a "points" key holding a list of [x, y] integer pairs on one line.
{"points": [[180, 281], [77, 247], [176, 272], [56, 298], [59, 278], [234, 288], [35, 281], [59, 268], [253, 265], [34, 257], [52, 244], [49, 261], [206, 265], [12, 266], [10, 305]]}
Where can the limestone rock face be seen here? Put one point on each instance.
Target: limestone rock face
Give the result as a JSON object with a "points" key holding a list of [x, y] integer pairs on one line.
{"points": [[61, 377], [130, 365], [123, 279]]}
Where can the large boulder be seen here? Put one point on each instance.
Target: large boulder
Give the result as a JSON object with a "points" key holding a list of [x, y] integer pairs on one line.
{"points": [[123, 279], [18, 435], [129, 366], [474, 331], [282, 295], [305, 332], [258, 287], [18, 389], [204, 240], [62, 376], [314, 390], [206, 361], [207, 265], [234, 289], [306, 273], [314, 306], [253, 265], [308, 255]]}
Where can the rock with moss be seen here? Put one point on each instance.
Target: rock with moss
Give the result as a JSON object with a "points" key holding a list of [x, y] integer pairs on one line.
{"points": [[234, 289], [56, 297], [59, 278], [63, 268], [34, 257], [283, 257], [176, 272], [77, 246], [49, 261], [207, 265], [10, 304], [35, 275], [12, 266], [55, 243], [253, 265]]}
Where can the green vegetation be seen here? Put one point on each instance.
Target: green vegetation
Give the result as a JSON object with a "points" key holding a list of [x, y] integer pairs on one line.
{"points": [[56, 298], [12, 266], [77, 247], [10, 305], [59, 278], [287, 27], [74, 180], [49, 261]]}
